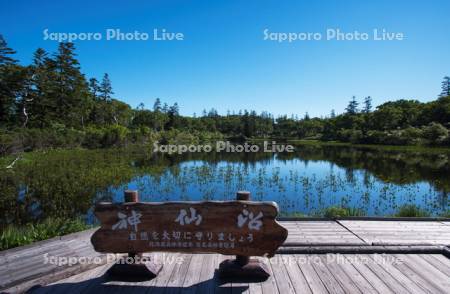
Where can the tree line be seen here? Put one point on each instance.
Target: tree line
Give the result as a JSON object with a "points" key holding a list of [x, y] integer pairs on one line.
{"points": [[51, 103]]}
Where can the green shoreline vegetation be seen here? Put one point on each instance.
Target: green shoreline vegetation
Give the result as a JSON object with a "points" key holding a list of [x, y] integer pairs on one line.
{"points": [[50, 104], [14, 236]]}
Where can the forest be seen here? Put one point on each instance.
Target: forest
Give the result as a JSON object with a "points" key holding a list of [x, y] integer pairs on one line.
{"points": [[50, 103]]}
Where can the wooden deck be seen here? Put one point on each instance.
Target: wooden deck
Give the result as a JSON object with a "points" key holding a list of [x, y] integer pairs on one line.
{"points": [[23, 267], [333, 273]]}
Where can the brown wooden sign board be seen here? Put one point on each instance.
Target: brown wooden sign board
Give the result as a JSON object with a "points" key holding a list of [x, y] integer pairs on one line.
{"points": [[243, 228]]}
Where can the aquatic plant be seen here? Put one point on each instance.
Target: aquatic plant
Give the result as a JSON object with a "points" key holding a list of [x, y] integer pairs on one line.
{"points": [[411, 210], [338, 211]]}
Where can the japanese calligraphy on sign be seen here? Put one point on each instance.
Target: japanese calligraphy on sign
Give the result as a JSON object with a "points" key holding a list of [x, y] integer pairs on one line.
{"points": [[227, 227]]}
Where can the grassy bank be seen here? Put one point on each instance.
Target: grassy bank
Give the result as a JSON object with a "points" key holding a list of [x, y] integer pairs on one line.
{"points": [[14, 236]]}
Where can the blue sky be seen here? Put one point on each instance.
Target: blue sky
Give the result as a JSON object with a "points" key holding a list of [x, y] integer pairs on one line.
{"points": [[224, 61]]}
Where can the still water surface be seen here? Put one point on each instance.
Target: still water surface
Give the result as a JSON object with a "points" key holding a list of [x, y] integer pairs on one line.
{"points": [[66, 183]]}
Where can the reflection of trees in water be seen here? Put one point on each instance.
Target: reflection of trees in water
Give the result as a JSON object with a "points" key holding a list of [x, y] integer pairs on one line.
{"points": [[66, 183], [392, 166], [292, 190]]}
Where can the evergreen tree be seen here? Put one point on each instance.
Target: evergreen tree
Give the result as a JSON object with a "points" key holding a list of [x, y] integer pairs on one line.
{"points": [[367, 104], [106, 88], [41, 104], [157, 105], [13, 84], [352, 107], [174, 110], [173, 114], [165, 108], [73, 102], [333, 113], [6, 53], [306, 116], [445, 87], [94, 88]]}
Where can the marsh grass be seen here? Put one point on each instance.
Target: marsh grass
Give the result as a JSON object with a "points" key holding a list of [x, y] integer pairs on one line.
{"points": [[337, 211], [411, 210], [13, 236], [446, 214]]}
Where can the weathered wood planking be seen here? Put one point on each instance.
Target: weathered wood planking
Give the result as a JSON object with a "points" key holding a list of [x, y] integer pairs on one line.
{"points": [[22, 267], [400, 232], [319, 233], [303, 274], [227, 227]]}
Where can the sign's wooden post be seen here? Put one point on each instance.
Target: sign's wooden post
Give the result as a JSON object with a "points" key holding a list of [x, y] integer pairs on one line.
{"points": [[242, 195], [243, 268], [135, 266]]}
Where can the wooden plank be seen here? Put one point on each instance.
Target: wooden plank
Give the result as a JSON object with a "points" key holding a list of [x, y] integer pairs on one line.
{"points": [[296, 276], [396, 227], [373, 279], [178, 275], [416, 275], [255, 288], [363, 285], [326, 276], [193, 273], [438, 261], [161, 280], [281, 277], [339, 274], [269, 286], [88, 282], [315, 283], [385, 276], [430, 272], [401, 278], [223, 288], [208, 279]]}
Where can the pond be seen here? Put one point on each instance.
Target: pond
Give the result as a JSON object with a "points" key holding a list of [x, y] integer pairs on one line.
{"points": [[375, 180]]}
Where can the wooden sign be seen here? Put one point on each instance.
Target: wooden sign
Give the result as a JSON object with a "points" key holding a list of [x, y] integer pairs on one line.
{"points": [[244, 228]]}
